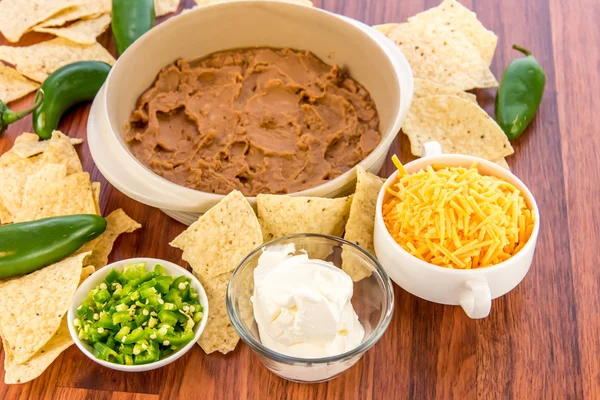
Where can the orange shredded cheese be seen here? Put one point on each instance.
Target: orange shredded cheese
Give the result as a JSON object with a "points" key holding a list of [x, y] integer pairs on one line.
{"points": [[455, 217]]}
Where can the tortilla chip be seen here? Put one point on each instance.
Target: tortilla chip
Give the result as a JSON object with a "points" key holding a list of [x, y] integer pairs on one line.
{"points": [[96, 186], [84, 32], [86, 272], [117, 223], [13, 85], [91, 9], [221, 238], [460, 18], [14, 169], [36, 365], [441, 54], [40, 60], [460, 127], [18, 16], [49, 193], [164, 7], [30, 148], [33, 306], [361, 222], [209, 2], [426, 88], [218, 334], [285, 215], [502, 162]]}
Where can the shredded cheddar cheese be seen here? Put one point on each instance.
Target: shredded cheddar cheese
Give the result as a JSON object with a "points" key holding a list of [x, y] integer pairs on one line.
{"points": [[455, 217]]}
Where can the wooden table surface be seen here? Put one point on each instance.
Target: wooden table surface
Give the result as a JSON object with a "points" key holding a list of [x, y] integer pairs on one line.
{"points": [[541, 341]]}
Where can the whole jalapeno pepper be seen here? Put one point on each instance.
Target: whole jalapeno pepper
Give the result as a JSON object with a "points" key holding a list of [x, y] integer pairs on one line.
{"points": [[519, 94], [130, 20], [65, 87], [8, 116]]}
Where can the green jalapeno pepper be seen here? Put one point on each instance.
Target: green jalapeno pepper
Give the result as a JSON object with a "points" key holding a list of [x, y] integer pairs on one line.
{"points": [[8, 116], [519, 94], [29, 246], [130, 20], [69, 85]]}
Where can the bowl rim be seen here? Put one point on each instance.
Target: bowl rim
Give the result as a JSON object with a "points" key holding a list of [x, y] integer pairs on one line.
{"points": [[498, 172], [360, 349], [399, 66], [94, 279]]}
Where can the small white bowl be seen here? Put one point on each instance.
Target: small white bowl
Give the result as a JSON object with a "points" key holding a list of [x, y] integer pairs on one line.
{"points": [[370, 58], [97, 277], [472, 289]]}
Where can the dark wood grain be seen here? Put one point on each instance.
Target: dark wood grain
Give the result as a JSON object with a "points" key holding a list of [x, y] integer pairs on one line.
{"points": [[541, 341]]}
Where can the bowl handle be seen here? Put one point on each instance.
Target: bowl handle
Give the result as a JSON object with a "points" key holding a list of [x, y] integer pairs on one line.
{"points": [[431, 149], [476, 299]]}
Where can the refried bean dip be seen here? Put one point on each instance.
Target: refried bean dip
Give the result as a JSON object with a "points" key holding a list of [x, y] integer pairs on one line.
{"points": [[258, 120]]}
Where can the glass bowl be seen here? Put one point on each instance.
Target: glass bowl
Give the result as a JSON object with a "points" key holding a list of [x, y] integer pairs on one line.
{"points": [[373, 301]]}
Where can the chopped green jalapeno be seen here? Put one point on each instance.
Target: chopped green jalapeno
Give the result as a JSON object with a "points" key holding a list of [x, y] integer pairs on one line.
{"points": [[138, 317]]}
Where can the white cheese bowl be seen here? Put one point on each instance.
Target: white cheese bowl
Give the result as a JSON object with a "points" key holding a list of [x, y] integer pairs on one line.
{"points": [[369, 57]]}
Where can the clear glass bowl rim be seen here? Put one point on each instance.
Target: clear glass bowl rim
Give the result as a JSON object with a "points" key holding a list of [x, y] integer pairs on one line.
{"points": [[266, 352]]}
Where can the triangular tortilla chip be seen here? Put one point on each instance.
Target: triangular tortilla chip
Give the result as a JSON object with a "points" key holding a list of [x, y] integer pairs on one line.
{"points": [[41, 360], [218, 334], [281, 215], [117, 223], [164, 7], [30, 148], [32, 306], [361, 222], [13, 85], [460, 127], [91, 9], [39, 60], [84, 32], [48, 193], [441, 54], [457, 16], [18, 16], [221, 238]]}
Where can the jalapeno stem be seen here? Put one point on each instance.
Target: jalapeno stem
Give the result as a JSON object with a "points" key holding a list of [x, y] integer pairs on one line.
{"points": [[521, 49], [9, 116]]}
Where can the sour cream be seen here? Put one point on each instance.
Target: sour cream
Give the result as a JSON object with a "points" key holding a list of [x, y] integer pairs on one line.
{"points": [[302, 306]]}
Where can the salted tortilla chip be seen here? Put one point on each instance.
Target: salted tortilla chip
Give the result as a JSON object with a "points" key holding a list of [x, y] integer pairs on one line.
{"points": [[86, 272], [30, 148], [361, 222], [426, 88], [209, 2], [281, 215], [221, 238], [441, 54], [117, 223], [5, 215], [14, 169], [13, 85], [502, 162], [47, 194], [460, 18], [18, 16], [29, 370], [91, 9], [32, 306], [218, 334], [460, 127], [84, 32], [96, 192], [39, 60]]}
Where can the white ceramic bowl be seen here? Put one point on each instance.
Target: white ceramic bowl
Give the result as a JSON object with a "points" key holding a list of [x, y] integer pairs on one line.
{"points": [[97, 277], [472, 289], [368, 56]]}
